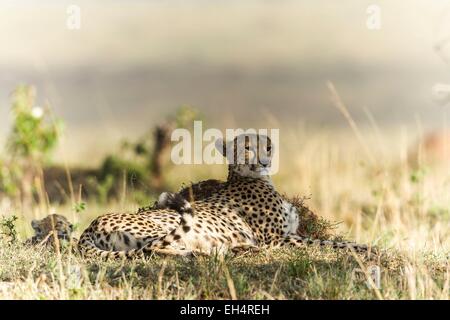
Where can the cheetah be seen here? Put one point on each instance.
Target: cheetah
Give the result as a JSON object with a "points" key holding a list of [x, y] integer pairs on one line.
{"points": [[246, 212], [45, 227]]}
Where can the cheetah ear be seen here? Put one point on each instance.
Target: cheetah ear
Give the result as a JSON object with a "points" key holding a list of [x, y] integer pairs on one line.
{"points": [[221, 146], [224, 147], [34, 224]]}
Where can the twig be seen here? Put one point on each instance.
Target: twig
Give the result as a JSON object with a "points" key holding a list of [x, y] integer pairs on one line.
{"points": [[230, 282], [339, 104]]}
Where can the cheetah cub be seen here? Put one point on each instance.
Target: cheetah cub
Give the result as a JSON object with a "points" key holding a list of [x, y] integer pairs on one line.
{"points": [[44, 230]]}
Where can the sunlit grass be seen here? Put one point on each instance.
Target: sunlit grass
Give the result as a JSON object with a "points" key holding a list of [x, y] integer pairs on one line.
{"points": [[389, 203]]}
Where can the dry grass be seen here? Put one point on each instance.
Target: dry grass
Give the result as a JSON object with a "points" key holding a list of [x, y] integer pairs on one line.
{"points": [[384, 202]]}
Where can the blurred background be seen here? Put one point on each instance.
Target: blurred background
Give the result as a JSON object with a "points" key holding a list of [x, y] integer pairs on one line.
{"points": [[360, 90], [241, 64]]}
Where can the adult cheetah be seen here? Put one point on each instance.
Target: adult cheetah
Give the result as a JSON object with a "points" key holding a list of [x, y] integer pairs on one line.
{"points": [[247, 212]]}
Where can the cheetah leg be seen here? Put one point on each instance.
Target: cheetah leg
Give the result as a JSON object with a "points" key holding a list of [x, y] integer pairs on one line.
{"points": [[171, 251], [89, 250], [168, 244], [245, 247], [288, 241]]}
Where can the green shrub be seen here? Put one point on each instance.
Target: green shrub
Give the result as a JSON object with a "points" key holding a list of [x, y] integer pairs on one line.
{"points": [[34, 135]]}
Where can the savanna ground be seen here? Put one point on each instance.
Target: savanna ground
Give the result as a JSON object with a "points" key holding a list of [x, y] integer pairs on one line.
{"points": [[366, 188]]}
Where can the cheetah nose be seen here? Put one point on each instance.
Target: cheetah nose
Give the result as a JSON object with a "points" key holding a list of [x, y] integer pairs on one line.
{"points": [[263, 163]]}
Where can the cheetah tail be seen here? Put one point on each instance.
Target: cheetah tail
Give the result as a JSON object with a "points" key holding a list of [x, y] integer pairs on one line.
{"points": [[175, 202], [301, 241]]}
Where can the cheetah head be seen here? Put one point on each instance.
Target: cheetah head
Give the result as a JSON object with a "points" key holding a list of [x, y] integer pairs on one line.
{"points": [[52, 222], [248, 155]]}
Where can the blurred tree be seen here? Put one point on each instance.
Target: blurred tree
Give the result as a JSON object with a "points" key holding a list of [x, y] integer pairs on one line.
{"points": [[147, 159], [184, 118]]}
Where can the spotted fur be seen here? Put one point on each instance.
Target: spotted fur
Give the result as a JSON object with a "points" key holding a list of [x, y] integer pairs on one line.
{"points": [[245, 212]]}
